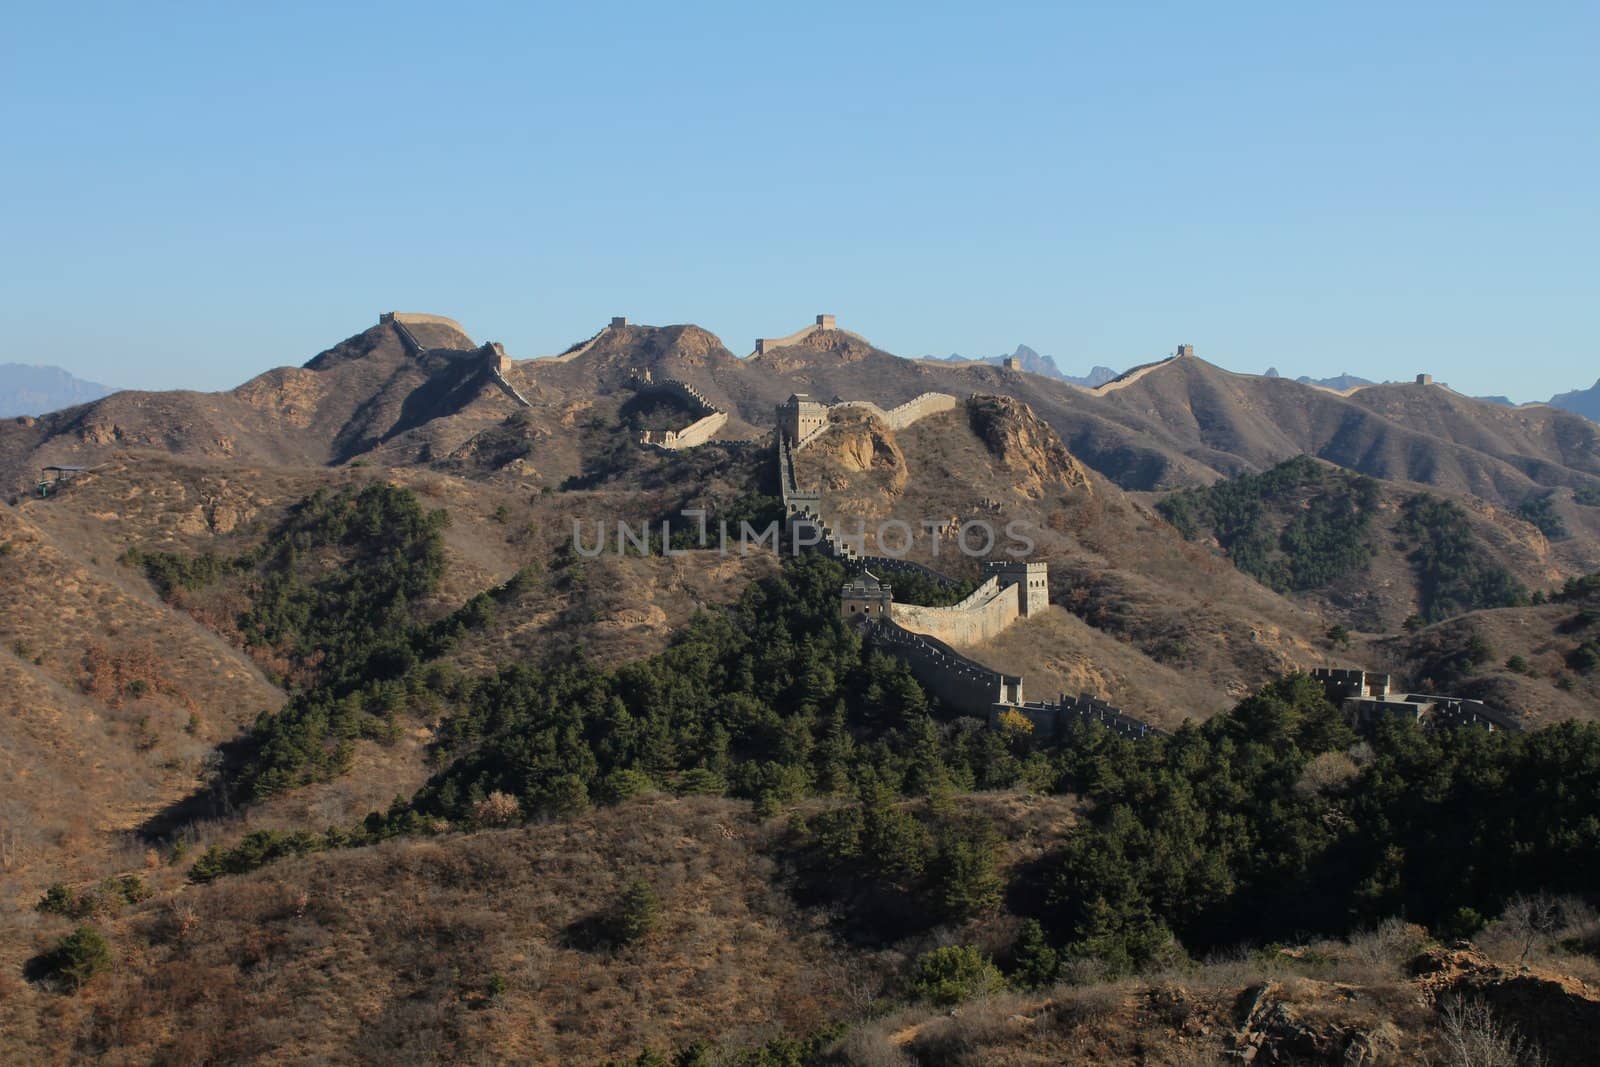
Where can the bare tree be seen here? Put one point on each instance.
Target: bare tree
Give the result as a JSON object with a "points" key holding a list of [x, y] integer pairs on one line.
{"points": [[1532, 919], [1473, 1037]]}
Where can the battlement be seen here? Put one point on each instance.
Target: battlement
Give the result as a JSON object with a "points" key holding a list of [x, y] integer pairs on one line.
{"points": [[961, 685], [865, 597], [425, 333], [1032, 580], [1185, 350], [803, 420], [1343, 683], [709, 418], [823, 322], [1366, 698], [1051, 720]]}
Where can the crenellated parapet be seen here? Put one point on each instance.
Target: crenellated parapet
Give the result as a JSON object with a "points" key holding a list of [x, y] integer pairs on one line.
{"points": [[1052, 719], [803, 420], [961, 684], [1366, 697], [709, 418]]}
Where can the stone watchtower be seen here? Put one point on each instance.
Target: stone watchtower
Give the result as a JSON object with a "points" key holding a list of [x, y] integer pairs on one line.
{"points": [[1032, 581], [1186, 350], [799, 416], [865, 597]]}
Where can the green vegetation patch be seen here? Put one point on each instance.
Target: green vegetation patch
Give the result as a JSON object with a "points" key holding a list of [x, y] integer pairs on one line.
{"points": [[1301, 525], [1454, 572], [1542, 513]]}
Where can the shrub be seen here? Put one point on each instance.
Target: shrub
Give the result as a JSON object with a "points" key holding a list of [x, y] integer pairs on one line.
{"points": [[953, 974], [1033, 962], [63, 900], [1474, 1037], [256, 850], [1462, 923], [78, 957], [497, 809], [626, 782], [1014, 724], [637, 913], [699, 782]]}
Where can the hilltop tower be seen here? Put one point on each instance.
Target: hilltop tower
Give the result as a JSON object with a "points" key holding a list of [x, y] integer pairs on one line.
{"points": [[1032, 581], [800, 416], [1186, 350]]}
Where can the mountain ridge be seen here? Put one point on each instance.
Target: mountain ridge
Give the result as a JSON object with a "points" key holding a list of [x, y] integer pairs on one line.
{"points": [[37, 388]]}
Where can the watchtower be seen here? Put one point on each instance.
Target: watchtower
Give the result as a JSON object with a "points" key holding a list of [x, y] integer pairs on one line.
{"points": [[865, 597], [826, 322], [1424, 379], [618, 321], [1186, 350], [799, 416], [1032, 581]]}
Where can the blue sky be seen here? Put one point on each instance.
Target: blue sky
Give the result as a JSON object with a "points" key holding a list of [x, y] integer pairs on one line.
{"points": [[192, 195]]}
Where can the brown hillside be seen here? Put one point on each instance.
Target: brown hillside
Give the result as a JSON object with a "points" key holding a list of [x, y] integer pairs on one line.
{"points": [[109, 702], [1473, 655]]}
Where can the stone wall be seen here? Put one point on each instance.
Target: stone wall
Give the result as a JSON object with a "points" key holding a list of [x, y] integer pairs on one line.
{"points": [[1051, 720], [710, 420], [683, 391], [898, 418], [412, 318], [961, 685], [984, 614], [425, 333], [823, 322], [802, 420], [1366, 697], [696, 433]]}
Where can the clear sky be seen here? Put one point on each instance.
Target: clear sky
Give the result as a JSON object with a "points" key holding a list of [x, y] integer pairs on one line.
{"points": [[193, 194]]}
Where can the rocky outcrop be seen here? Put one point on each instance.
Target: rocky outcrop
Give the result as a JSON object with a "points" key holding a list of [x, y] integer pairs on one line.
{"points": [[1271, 1031], [1558, 1013], [1025, 444]]}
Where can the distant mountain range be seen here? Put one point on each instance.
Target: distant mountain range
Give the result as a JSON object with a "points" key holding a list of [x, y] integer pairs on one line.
{"points": [[26, 389], [1034, 363], [1343, 381], [1585, 402]]}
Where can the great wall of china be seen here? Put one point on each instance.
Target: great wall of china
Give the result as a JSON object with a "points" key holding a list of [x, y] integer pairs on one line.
{"points": [[491, 357], [708, 417], [921, 635], [824, 322]]}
